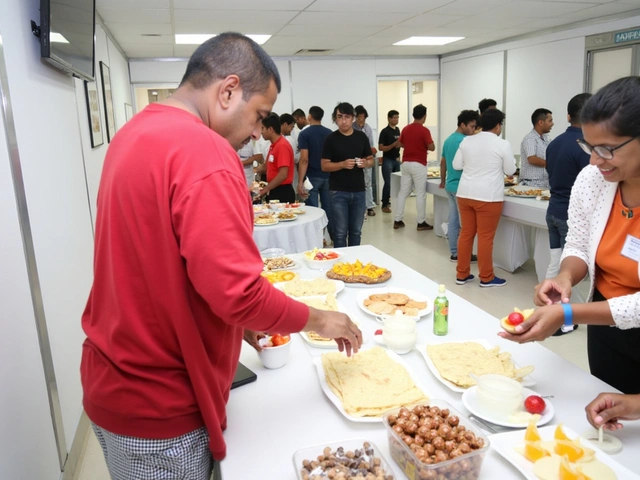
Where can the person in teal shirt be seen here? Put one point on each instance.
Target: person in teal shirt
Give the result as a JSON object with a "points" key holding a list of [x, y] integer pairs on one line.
{"points": [[450, 177]]}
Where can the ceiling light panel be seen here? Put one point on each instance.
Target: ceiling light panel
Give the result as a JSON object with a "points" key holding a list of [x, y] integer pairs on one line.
{"points": [[427, 41]]}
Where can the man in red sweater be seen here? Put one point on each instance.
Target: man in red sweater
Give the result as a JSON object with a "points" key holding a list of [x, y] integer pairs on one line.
{"points": [[177, 274], [416, 140]]}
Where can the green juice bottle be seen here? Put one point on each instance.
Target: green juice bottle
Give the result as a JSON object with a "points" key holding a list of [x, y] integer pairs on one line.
{"points": [[441, 313]]}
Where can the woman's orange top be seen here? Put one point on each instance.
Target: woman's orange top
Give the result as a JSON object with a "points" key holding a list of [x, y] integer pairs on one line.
{"points": [[617, 275]]}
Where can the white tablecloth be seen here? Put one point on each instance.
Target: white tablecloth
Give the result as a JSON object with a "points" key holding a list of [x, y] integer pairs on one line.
{"points": [[285, 410], [522, 232], [300, 235]]}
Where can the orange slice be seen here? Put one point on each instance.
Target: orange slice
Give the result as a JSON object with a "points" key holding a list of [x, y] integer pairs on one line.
{"points": [[531, 434], [571, 450], [567, 472], [559, 434], [534, 452]]}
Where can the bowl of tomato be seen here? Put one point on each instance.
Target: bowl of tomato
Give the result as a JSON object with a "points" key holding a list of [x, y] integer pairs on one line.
{"points": [[275, 350], [321, 258]]}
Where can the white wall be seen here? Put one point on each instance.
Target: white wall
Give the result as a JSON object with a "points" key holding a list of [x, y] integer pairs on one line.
{"points": [[106, 52], [544, 71], [52, 133], [312, 81], [464, 83], [27, 444]]}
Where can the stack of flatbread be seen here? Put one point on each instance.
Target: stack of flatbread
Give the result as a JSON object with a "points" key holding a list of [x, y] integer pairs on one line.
{"points": [[370, 382], [309, 288], [327, 302], [455, 361], [381, 303]]}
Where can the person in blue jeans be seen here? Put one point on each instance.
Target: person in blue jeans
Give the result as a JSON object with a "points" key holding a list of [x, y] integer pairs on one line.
{"points": [[345, 155], [388, 144], [450, 177], [565, 160], [310, 142]]}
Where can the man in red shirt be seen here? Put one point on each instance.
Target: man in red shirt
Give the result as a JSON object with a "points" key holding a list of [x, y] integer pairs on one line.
{"points": [[416, 140], [177, 279], [279, 162]]}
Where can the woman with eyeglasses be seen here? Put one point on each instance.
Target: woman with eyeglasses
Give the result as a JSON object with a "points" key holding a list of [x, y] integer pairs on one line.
{"points": [[603, 242]]}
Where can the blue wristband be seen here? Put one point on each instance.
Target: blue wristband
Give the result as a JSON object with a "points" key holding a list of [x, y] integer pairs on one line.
{"points": [[568, 314]]}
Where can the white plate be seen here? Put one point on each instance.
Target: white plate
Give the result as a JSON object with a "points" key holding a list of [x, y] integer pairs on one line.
{"points": [[470, 401], [316, 343], [292, 267], [317, 361], [339, 285], [525, 188], [505, 443], [419, 297], [266, 224], [295, 217], [527, 381]]}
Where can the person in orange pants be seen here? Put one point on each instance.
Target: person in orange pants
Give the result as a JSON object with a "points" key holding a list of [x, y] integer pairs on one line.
{"points": [[484, 160], [481, 218]]}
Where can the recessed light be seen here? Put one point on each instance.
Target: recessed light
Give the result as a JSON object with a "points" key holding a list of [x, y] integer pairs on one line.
{"points": [[428, 40], [198, 38], [57, 38]]}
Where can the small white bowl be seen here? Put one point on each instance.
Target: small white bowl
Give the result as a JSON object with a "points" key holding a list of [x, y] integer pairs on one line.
{"points": [[321, 264], [272, 252], [274, 357]]}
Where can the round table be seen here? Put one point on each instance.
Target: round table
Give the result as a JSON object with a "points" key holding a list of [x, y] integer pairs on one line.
{"points": [[302, 234]]}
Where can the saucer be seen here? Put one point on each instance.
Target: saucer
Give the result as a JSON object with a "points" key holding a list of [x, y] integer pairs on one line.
{"points": [[470, 401]]}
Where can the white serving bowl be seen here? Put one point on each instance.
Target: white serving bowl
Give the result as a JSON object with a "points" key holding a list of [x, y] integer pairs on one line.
{"points": [[274, 357], [321, 264], [498, 394]]}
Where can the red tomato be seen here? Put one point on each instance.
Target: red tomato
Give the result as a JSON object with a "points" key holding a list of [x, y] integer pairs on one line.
{"points": [[278, 340], [535, 404], [332, 255], [515, 318], [378, 332]]}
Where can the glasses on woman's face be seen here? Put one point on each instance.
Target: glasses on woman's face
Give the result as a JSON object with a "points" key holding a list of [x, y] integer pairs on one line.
{"points": [[601, 150]]}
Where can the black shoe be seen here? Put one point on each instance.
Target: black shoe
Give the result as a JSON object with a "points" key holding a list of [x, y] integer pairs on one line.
{"points": [[397, 225], [424, 226], [371, 212], [454, 258], [561, 332]]}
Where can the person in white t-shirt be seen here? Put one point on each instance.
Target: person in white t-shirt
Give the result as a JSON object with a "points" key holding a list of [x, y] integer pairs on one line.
{"points": [[249, 154], [484, 158]]}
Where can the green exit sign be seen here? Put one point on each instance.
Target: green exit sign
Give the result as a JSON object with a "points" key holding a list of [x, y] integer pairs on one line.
{"points": [[628, 36]]}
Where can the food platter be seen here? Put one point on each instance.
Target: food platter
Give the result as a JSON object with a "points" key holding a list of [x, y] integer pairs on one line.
{"points": [[290, 266], [526, 192], [359, 274], [470, 401], [339, 285], [317, 361], [413, 295], [505, 443], [295, 217], [527, 381]]}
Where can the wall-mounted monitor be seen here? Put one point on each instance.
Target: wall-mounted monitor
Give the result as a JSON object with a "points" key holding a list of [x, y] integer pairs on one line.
{"points": [[67, 35]]}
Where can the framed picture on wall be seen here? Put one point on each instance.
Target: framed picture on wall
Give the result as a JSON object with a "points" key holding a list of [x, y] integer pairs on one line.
{"points": [[108, 100], [94, 113], [128, 111]]}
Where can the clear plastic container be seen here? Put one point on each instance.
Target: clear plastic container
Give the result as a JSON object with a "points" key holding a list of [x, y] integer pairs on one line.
{"points": [[465, 466], [312, 453]]}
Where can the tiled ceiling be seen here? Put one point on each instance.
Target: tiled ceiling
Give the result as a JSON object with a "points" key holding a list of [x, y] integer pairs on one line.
{"points": [[146, 28]]}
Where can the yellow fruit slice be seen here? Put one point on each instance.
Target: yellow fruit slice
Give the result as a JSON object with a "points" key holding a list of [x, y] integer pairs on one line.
{"points": [[567, 472], [559, 434], [571, 450], [531, 434], [588, 454], [533, 451]]}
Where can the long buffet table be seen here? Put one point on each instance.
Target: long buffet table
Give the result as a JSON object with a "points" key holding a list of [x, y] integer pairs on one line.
{"points": [[522, 232], [286, 410]]}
